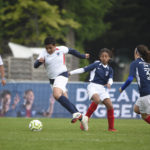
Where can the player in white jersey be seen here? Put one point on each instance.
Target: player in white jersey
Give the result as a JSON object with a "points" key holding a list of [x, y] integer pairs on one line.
{"points": [[53, 58], [2, 72]]}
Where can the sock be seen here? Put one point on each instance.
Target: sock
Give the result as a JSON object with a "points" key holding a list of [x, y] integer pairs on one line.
{"points": [[110, 117], [147, 119], [91, 109], [67, 104]]}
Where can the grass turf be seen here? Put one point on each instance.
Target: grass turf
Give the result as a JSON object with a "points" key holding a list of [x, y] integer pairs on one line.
{"points": [[60, 134]]}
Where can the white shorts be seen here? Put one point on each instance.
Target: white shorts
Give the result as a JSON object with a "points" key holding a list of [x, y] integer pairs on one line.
{"points": [[144, 104], [61, 83], [94, 88]]}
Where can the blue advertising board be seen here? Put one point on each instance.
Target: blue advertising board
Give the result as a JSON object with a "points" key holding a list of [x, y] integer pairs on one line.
{"points": [[77, 92]]}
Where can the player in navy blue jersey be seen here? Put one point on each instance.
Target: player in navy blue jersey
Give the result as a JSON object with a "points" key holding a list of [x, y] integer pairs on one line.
{"points": [[53, 58], [140, 69], [101, 75]]}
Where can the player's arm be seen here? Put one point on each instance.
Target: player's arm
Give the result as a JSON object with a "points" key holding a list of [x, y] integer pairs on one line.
{"points": [[82, 70], [130, 77], [77, 54], [110, 80], [40, 60]]}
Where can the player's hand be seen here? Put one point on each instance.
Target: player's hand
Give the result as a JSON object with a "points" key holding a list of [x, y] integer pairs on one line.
{"points": [[3, 82], [16, 101], [42, 60], [108, 86], [87, 55], [120, 90], [69, 74]]}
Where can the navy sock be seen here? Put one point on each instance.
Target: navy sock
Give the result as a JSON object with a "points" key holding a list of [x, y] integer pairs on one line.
{"points": [[67, 104]]}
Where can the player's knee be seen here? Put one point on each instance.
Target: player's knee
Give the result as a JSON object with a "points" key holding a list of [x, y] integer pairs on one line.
{"points": [[56, 95], [144, 116], [109, 106], [136, 109]]}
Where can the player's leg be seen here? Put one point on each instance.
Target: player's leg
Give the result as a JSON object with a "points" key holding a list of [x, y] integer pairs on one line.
{"points": [[142, 107], [94, 97], [95, 101], [65, 94], [110, 114], [59, 88], [136, 109], [93, 105], [146, 117]]}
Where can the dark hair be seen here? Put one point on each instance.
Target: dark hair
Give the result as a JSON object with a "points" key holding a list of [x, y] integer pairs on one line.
{"points": [[27, 91], [144, 52], [107, 51], [4, 93], [49, 40]]}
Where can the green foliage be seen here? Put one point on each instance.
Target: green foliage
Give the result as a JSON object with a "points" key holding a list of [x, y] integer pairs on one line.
{"points": [[130, 21], [30, 21], [90, 14]]}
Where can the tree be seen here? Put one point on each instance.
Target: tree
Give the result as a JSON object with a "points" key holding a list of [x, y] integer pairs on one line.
{"points": [[30, 21]]}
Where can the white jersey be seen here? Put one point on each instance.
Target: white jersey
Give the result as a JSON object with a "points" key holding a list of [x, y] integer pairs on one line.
{"points": [[55, 62], [1, 61]]}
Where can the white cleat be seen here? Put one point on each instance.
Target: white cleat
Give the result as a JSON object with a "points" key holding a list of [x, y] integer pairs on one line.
{"points": [[76, 116], [84, 123]]}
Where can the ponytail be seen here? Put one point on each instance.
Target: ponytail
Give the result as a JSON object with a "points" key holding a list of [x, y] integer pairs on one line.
{"points": [[144, 52]]}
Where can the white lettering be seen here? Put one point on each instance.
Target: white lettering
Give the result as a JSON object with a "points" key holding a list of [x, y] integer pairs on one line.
{"points": [[123, 96], [81, 95], [100, 111], [81, 108], [126, 111], [111, 93], [135, 95], [116, 110]]}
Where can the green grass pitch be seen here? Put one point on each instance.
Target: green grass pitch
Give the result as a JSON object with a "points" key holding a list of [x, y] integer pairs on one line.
{"points": [[60, 134]]}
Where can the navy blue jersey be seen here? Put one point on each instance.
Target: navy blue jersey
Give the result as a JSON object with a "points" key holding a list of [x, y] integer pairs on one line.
{"points": [[100, 73], [140, 70]]}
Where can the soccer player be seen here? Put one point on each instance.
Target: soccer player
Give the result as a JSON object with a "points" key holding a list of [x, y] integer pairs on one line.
{"points": [[3, 80], [140, 69], [101, 75], [53, 57]]}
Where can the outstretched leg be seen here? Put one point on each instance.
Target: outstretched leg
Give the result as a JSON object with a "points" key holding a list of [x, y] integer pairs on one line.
{"points": [[145, 116], [64, 101]]}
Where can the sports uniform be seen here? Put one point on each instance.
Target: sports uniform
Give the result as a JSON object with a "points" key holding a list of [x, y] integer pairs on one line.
{"points": [[58, 75], [100, 75], [140, 70], [55, 65]]}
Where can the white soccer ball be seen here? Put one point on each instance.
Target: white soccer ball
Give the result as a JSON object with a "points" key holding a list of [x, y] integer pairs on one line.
{"points": [[35, 125]]}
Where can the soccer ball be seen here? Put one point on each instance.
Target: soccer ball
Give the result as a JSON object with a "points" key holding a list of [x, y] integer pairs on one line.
{"points": [[35, 125]]}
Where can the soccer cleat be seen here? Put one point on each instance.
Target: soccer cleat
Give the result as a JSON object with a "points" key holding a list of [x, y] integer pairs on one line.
{"points": [[76, 116], [112, 130], [84, 123], [81, 125]]}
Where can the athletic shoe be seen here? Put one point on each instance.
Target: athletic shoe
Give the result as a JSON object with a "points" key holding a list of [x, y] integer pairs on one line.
{"points": [[76, 116], [84, 123], [81, 126], [112, 130]]}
